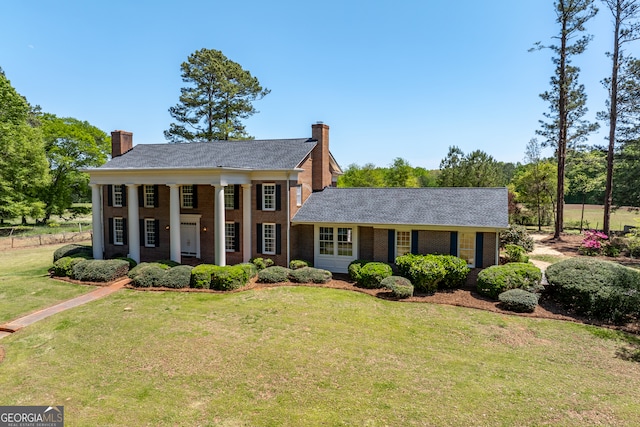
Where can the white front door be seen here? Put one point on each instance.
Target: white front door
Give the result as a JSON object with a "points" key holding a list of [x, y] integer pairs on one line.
{"points": [[188, 235]]}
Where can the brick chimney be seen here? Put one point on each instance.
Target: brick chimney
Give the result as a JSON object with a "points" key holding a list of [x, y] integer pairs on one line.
{"points": [[320, 171], [121, 142]]}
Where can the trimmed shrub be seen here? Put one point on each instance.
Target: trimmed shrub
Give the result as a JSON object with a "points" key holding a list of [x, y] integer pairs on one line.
{"points": [[516, 235], [515, 253], [261, 263], [518, 300], [64, 266], [98, 270], [71, 250], [149, 276], [275, 274], [354, 269], [228, 278], [371, 274], [250, 269], [168, 263], [177, 277], [424, 271], [138, 268], [201, 276], [600, 289], [496, 279], [295, 264], [456, 274], [310, 275], [400, 287], [132, 262]]}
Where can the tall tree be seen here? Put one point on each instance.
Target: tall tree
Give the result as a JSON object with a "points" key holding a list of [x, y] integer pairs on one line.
{"points": [[476, 169], [219, 95], [566, 126], [366, 176], [626, 28], [400, 174]]}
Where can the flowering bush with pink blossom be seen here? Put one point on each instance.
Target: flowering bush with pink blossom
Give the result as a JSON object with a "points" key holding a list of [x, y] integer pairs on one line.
{"points": [[592, 244]]}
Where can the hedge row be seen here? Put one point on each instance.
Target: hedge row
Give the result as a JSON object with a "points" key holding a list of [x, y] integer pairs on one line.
{"points": [[430, 272], [494, 280], [222, 278], [277, 274]]}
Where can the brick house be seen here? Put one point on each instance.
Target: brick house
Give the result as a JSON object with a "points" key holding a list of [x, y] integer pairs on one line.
{"points": [[225, 202]]}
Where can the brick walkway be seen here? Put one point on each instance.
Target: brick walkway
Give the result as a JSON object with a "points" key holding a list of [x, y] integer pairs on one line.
{"points": [[17, 324]]}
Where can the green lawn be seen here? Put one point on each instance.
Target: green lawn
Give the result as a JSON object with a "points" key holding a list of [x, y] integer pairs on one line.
{"points": [[311, 356], [593, 216], [25, 285]]}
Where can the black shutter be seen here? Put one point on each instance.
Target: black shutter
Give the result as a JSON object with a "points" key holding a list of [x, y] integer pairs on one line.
{"points": [[391, 249], [142, 233], [236, 238], [259, 238], [157, 230], [414, 242], [156, 203], [110, 229], [124, 195], [479, 249], [258, 197], [278, 197], [125, 235], [278, 239], [195, 197], [141, 196], [236, 197], [109, 195], [453, 243]]}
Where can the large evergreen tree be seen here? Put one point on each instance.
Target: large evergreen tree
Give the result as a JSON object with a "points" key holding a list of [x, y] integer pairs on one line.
{"points": [[220, 93], [566, 126], [476, 169]]}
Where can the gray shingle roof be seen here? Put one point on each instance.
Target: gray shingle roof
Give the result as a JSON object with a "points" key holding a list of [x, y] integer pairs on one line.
{"points": [[273, 154], [474, 207]]}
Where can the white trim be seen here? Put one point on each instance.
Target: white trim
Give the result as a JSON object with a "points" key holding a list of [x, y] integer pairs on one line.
{"points": [[113, 195], [275, 238], [192, 219], [144, 195], [335, 263], [395, 241], [473, 239], [275, 202], [226, 249], [193, 190], [115, 235]]}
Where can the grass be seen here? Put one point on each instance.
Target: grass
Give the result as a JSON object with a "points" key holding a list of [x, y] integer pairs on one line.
{"points": [[69, 223], [311, 356], [593, 216], [551, 259], [24, 284]]}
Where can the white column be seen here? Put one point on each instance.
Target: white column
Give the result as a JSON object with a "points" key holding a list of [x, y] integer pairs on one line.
{"points": [[174, 222], [133, 222], [246, 222], [96, 214], [219, 229]]}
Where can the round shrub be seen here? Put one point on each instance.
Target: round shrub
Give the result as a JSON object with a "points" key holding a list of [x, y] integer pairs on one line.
{"points": [[518, 300], [372, 274], [262, 263], [516, 235], [149, 276], [64, 266], [515, 253], [600, 289], [99, 270], [295, 264], [400, 287], [424, 271], [250, 269], [494, 280], [177, 277], [71, 250], [456, 272], [354, 269], [275, 274], [228, 278], [138, 268], [201, 276], [310, 275]]}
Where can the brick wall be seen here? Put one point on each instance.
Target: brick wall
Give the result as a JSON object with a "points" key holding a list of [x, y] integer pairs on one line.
{"points": [[380, 244], [431, 242], [489, 250], [365, 242], [277, 217], [302, 243]]}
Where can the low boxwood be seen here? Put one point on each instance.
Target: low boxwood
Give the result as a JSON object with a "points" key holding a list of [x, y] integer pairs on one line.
{"points": [[494, 280], [201, 276], [310, 275], [400, 287], [229, 277], [518, 300], [177, 277], [600, 289], [71, 250], [261, 263], [372, 273], [295, 264], [354, 268], [275, 274], [424, 271], [94, 270], [149, 275], [64, 266], [138, 268]]}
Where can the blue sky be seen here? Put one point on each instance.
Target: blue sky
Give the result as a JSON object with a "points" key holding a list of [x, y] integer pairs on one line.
{"points": [[391, 78]]}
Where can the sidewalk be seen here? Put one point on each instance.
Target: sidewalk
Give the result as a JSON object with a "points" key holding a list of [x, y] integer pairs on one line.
{"points": [[17, 324]]}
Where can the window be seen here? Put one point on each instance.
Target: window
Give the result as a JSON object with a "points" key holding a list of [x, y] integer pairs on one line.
{"points": [[230, 236], [118, 195], [326, 241], [268, 197], [403, 243], [149, 196], [299, 195], [229, 197], [467, 249], [118, 231], [345, 244], [149, 232], [269, 239], [186, 196]]}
